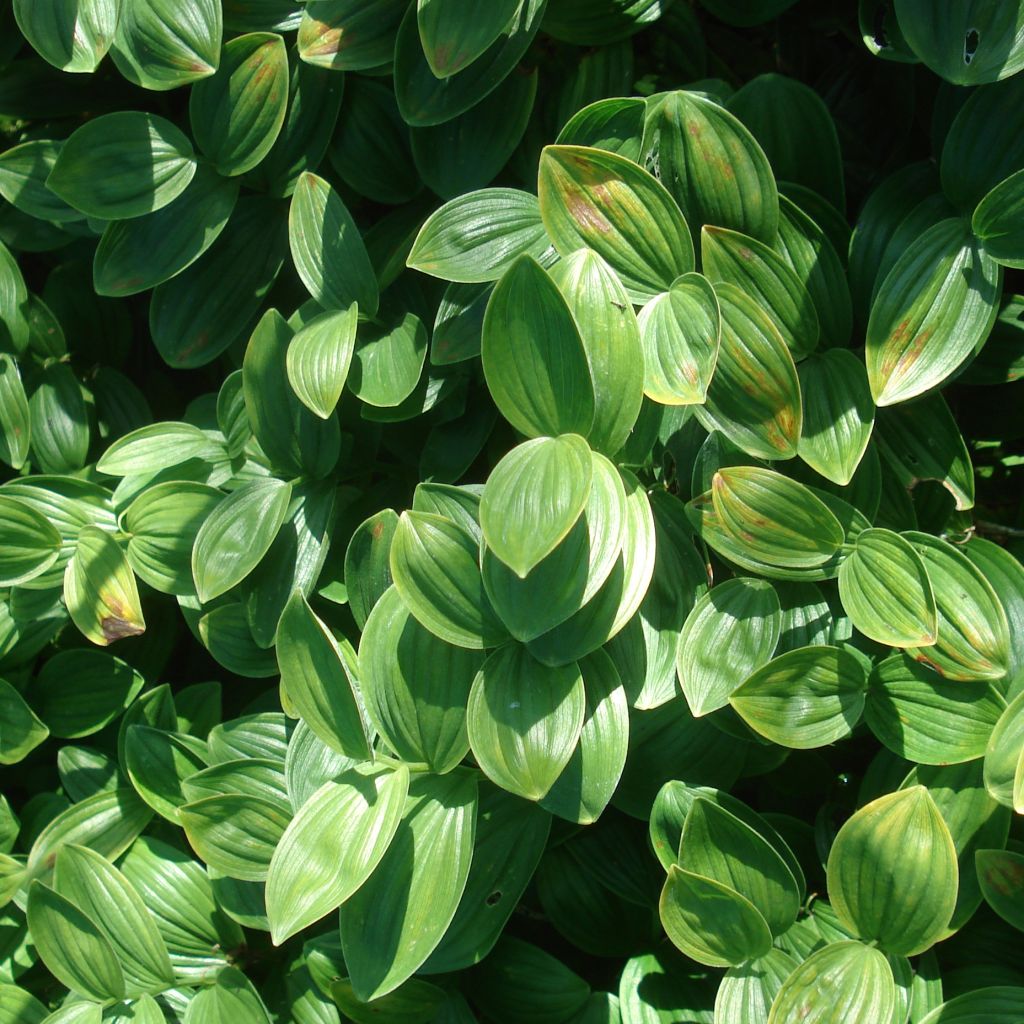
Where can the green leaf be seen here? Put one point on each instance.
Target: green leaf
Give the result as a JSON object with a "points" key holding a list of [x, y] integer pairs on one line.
{"points": [[396, 919], [72, 946], [123, 165], [413, 1002], [327, 248], [237, 534], [680, 334], [746, 993], [533, 356], [934, 308], [388, 361], [885, 590], [999, 872], [843, 981], [927, 719], [315, 680], [778, 520], [100, 591], [333, 845], [319, 356], [477, 237], [688, 900], [534, 497], [231, 997], [156, 446], [892, 872], [996, 221], [349, 35], [524, 720], [59, 421], [22, 730], [72, 37], [161, 45], [731, 632], [158, 762], [451, 41], [615, 124], [15, 425], [368, 560], [713, 166], [237, 113], [29, 543], [1000, 1004], [20, 1006], [974, 641], [1004, 757], [754, 396], [590, 198], [838, 414], [23, 172]]}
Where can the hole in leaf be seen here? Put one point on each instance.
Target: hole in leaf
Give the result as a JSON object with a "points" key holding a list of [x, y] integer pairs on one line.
{"points": [[493, 899], [971, 41]]}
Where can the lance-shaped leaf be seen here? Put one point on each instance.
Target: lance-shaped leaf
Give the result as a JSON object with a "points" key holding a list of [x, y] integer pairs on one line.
{"points": [[123, 165], [434, 564], [934, 308], [237, 113], [593, 199], [731, 632], [368, 561], [161, 45], [15, 425], [315, 680], [100, 590], [476, 237], [713, 166], [415, 686], [22, 731], [838, 414], [104, 895], [29, 543], [892, 872], [157, 446], [534, 497], [927, 719], [778, 520], [533, 357], [237, 534], [611, 341], [524, 720], [680, 332], [451, 41], [730, 256], [71, 36], [845, 980], [397, 918], [974, 636], [333, 845], [711, 922], [754, 396], [746, 992], [319, 356], [1004, 757], [886, 592], [349, 35], [996, 221], [72, 946], [999, 872], [327, 248], [805, 698], [923, 442]]}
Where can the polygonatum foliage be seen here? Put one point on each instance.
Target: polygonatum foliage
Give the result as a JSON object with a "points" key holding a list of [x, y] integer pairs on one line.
{"points": [[511, 511]]}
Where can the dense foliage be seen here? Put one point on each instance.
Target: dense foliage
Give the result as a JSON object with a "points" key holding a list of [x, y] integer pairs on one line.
{"points": [[510, 511]]}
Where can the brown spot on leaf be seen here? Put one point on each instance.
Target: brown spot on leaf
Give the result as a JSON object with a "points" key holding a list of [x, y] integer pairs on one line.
{"points": [[114, 628]]}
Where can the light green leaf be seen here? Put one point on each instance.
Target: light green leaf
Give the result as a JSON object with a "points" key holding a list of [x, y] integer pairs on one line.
{"points": [[746, 993], [157, 446], [367, 560], [100, 591], [71, 36], [1004, 757], [158, 762], [319, 356], [15, 425], [29, 543], [232, 997]]}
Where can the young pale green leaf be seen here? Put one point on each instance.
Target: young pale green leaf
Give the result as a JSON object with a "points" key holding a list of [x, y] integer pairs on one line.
{"points": [[71, 36], [237, 113], [100, 590], [934, 308], [711, 922], [731, 632], [328, 249], [29, 543], [1004, 757], [476, 237], [754, 396], [22, 731], [105, 896], [974, 637], [524, 720], [778, 520], [15, 424], [533, 356], [158, 762], [434, 564], [415, 686], [333, 845], [123, 165], [319, 356], [157, 446], [534, 497], [368, 560], [746, 993], [838, 414], [996, 221], [680, 334], [927, 719], [892, 872], [397, 918], [713, 166], [315, 680], [844, 981], [349, 35], [451, 41], [593, 199], [237, 534], [886, 592], [730, 256]]}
